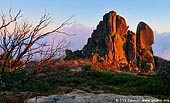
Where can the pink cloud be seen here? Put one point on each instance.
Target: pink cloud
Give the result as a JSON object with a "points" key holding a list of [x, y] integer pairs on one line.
{"points": [[80, 39], [161, 46]]}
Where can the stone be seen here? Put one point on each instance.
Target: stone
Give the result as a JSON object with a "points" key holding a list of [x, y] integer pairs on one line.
{"points": [[76, 70], [147, 56], [75, 62], [109, 21], [69, 54], [144, 41], [119, 48], [121, 26], [131, 46], [150, 67], [94, 58], [109, 44], [145, 59], [79, 96], [145, 36], [108, 39]]}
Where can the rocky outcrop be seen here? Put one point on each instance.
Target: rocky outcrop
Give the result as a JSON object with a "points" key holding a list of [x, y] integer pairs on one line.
{"points": [[78, 96], [113, 42], [70, 55], [108, 40], [144, 41]]}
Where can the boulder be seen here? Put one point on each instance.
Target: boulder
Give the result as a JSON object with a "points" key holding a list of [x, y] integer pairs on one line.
{"points": [[69, 54], [94, 57], [144, 41], [145, 36], [79, 96]]}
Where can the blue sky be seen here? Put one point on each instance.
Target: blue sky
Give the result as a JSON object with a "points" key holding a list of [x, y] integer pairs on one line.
{"points": [[89, 12]]}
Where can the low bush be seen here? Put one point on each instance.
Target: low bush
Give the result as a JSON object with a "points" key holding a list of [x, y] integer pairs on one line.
{"points": [[90, 80]]}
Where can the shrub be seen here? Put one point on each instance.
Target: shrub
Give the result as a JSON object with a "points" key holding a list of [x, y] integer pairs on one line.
{"points": [[13, 80]]}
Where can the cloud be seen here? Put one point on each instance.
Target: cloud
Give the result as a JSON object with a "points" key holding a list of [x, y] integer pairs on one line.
{"points": [[80, 39], [161, 46]]}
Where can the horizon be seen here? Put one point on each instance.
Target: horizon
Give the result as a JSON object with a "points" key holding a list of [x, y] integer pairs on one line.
{"points": [[87, 14]]}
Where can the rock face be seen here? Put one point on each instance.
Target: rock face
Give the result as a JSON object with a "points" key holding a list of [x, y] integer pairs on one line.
{"points": [[115, 43], [131, 46], [79, 96], [108, 40]]}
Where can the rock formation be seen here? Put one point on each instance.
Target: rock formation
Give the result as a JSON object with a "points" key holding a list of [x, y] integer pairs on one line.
{"points": [[113, 41], [108, 40], [144, 41]]}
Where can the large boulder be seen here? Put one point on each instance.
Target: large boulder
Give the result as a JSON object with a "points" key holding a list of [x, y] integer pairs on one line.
{"points": [[79, 96], [145, 36], [144, 41]]}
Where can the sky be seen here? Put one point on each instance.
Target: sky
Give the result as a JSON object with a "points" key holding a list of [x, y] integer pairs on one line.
{"points": [[90, 12], [87, 14]]}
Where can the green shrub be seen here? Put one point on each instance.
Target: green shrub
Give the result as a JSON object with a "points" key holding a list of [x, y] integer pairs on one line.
{"points": [[13, 80], [36, 86]]}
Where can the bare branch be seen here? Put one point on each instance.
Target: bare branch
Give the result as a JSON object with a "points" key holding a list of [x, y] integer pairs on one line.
{"points": [[4, 24], [25, 41]]}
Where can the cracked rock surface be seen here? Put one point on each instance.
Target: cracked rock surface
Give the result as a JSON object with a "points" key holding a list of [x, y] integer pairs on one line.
{"points": [[79, 96]]}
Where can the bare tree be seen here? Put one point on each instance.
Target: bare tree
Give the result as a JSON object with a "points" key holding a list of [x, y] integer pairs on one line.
{"points": [[24, 41]]}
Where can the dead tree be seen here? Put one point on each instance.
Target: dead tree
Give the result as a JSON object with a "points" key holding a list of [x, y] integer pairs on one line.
{"points": [[24, 41]]}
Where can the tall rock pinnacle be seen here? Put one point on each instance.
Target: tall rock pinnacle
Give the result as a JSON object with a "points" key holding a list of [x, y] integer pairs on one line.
{"points": [[109, 40]]}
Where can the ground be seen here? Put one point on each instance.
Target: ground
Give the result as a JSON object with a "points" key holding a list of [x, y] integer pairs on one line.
{"points": [[62, 77]]}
